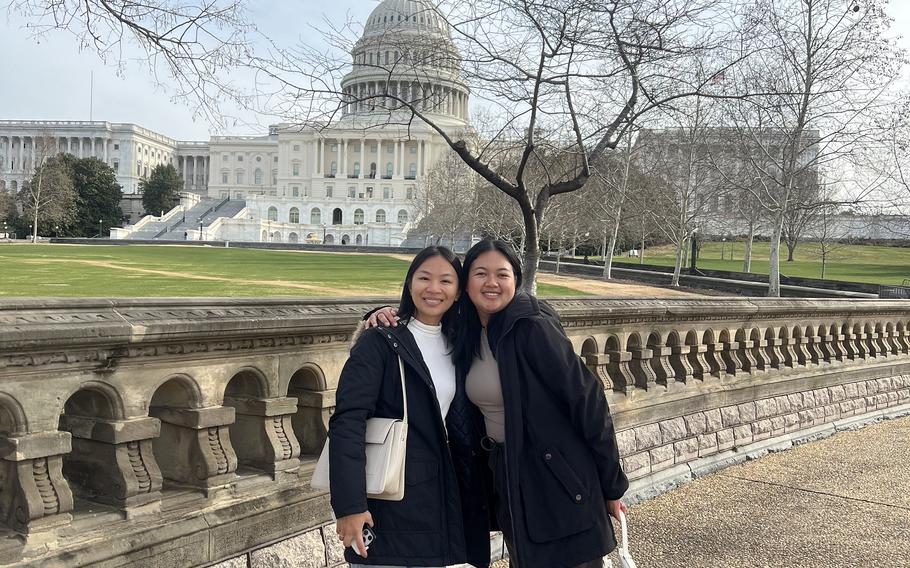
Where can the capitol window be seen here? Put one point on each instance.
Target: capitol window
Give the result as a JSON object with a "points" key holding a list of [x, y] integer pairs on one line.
{"points": [[294, 215], [273, 213], [358, 216], [239, 158], [402, 217], [388, 170], [386, 193], [295, 191], [257, 177], [352, 192], [239, 178], [116, 146], [224, 177], [328, 191], [410, 192], [224, 157], [296, 147], [373, 148], [333, 169], [413, 149], [275, 159], [295, 167], [380, 216], [315, 216], [357, 169]]}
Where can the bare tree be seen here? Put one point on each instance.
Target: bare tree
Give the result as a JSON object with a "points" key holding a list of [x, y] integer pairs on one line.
{"points": [[48, 197], [189, 45], [446, 199], [583, 73], [826, 65]]}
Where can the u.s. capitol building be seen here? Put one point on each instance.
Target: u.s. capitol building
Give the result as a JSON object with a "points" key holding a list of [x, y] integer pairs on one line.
{"points": [[353, 181]]}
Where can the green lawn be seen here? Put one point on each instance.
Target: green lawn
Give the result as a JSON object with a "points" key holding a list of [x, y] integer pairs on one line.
{"points": [[163, 271], [854, 263]]}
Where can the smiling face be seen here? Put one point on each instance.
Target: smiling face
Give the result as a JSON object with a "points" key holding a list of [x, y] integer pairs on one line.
{"points": [[491, 284], [434, 288]]}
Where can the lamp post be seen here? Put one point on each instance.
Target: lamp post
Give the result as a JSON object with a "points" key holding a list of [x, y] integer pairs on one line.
{"points": [[200, 229], [100, 227], [723, 244], [324, 227]]}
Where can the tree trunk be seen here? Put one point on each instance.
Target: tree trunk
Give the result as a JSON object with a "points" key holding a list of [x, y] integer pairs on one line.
{"points": [[824, 260], [641, 251], [608, 256], [747, 254], [677, 266], [574, 242], [558, 252], [790, 249], [774, 260], [531, 259]]}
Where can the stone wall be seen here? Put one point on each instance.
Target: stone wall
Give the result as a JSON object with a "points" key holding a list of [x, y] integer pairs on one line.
{"points": [[183, 432]]}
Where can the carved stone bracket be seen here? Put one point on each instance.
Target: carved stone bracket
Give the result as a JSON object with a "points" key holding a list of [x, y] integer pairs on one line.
{"points": [[195, 445], [262, 434], [661, 364], [311, 422], [112, 460], [620, 371], [645, 377], [35, 495]]}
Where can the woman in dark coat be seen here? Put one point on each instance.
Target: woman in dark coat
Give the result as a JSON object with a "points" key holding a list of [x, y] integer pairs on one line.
{"points": [[556, 475], [434, 525]]}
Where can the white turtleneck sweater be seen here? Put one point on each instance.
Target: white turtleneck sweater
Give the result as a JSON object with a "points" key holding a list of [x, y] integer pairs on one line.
{"points": [[437, 355]]}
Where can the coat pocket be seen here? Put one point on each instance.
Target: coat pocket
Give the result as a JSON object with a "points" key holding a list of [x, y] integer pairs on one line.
{"points": [[421, 508], [557, 502]]}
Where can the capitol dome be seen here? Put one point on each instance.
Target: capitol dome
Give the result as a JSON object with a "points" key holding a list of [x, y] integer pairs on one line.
{"points": [[406, 53]]}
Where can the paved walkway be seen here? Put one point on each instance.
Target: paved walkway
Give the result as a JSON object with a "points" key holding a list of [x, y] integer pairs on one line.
{"points": [[840, 502]]}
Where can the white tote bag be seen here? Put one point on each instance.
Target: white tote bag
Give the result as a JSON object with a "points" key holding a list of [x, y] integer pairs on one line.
{"points": [[386, 441], [625, 557]]}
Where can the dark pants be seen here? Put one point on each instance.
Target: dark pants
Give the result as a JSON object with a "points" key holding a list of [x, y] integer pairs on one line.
{"points": [[501, 503]]}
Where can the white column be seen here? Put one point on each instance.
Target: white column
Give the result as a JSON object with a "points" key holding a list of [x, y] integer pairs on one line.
{"points": [[105, 142], [319, 157], [192, 175], [420, 157], [363, 158], [4, 150], [80, 147], [395, 159], [343, 157], [185, 173]]}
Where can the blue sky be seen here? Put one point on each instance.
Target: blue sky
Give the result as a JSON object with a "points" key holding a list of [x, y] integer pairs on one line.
{"points": [[48, 79]]}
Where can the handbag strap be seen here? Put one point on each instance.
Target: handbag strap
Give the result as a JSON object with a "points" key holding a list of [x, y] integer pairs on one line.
{"points": [[404, 392]]}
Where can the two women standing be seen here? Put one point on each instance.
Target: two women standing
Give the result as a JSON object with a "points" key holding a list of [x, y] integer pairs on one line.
{"points": [[530, 437]]}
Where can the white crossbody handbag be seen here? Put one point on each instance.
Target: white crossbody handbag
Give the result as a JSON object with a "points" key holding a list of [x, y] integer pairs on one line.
{"points": [[386, 440], [625, 557]]}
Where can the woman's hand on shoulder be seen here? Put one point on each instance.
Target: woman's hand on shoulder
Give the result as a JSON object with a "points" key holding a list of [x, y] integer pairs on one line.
{"points": [[350, 531], [386, 317]]}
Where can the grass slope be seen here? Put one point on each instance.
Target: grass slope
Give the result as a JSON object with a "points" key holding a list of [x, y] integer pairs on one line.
{"points": [[163, 271], [854, 263]]}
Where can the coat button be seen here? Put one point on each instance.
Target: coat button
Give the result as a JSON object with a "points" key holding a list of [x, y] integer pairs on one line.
{"points": [[578, 498], [547, 456], [394, 345]]}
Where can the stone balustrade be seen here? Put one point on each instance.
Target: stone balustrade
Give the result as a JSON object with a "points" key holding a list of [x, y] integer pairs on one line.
{"points": [[183, 432]]}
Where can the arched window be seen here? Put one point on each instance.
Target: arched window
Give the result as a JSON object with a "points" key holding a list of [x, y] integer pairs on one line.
{"points": [[388, 170], [372, 170], [315, 216], [356, 169], [359, 239], [265, 237], [345, 239], [402, 217], [380, 216], [336, 216], [293, 238], [412, 170], [276, 237], [257, 177], [273, 213], [358, 216], [329, 240], [294, 215]]}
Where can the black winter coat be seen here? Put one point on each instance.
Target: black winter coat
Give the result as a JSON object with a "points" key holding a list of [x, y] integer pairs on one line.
{"points": [[436, 522], [562, 459]]}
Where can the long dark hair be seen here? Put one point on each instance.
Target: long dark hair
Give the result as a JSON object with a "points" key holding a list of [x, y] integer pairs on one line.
{"points": [[406, 307], [467, 344]]}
